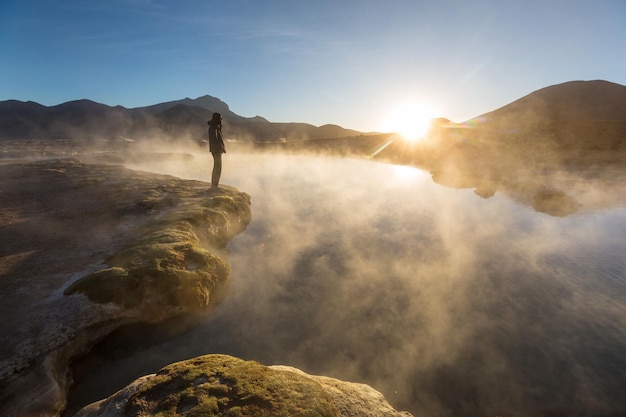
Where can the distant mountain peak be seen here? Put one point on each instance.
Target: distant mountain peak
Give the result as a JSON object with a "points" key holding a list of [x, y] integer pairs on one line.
{"points": [[208, 102]]}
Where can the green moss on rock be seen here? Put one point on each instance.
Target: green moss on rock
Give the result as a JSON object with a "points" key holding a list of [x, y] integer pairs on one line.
{"points": [[111, 285], [220, 385], [169, 264]]}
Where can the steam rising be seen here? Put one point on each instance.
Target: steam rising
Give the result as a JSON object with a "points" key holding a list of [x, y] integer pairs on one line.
{"points": [[448, 303]]}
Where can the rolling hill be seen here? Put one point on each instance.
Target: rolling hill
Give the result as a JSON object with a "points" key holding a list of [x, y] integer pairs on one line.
{"points": [[576, 115], [571, 101]]}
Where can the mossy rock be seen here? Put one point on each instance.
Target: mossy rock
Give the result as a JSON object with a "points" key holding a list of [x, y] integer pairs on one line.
{"points": [[175, 275], [220, 385], [168, 264], [111, 285]]}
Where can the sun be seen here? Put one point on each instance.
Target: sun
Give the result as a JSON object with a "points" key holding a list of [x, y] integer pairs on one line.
{"points": [[411, 120]]}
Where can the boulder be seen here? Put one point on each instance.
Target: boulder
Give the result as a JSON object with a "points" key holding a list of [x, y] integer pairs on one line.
{"points": [[221, 385]]}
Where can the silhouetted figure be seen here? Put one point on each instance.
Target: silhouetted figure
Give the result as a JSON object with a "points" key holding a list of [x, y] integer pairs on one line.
{"points": [[216, 146]]}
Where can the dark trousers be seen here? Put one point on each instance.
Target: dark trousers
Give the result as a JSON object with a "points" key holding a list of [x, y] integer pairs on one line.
{"points": [[217, 169]]}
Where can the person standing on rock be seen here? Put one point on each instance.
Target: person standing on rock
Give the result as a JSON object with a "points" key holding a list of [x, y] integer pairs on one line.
{"points": [[216, 146]]}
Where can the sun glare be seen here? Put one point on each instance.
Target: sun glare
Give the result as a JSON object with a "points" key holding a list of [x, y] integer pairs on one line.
{"points": [[406, 173], [410, 120]]}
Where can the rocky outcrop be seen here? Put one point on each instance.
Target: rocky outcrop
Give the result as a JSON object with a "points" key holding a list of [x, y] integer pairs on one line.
{"points": [[215, 385], [86, 248]]}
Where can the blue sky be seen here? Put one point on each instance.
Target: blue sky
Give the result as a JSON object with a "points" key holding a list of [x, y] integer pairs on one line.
{"points": [[345, 62]]}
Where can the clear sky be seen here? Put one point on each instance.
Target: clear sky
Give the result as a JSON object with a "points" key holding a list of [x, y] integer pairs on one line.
{"points": [[345, 62]]}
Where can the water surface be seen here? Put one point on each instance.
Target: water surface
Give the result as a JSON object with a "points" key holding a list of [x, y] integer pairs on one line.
{"points": [[446, 302]]}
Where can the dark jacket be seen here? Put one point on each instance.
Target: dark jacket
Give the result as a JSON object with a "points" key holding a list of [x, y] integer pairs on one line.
{"points": [[216, 144]]}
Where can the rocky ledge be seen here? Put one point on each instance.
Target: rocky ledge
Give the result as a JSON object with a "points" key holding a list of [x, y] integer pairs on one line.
{"points": [[86, 248], [220, 385]]}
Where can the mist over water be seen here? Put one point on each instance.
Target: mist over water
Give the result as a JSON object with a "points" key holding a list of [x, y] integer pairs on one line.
{"points": [[447, 303]]}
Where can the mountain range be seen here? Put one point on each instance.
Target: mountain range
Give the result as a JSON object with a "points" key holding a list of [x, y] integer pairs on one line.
{"points": [[574, 109], [186, 119]]}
